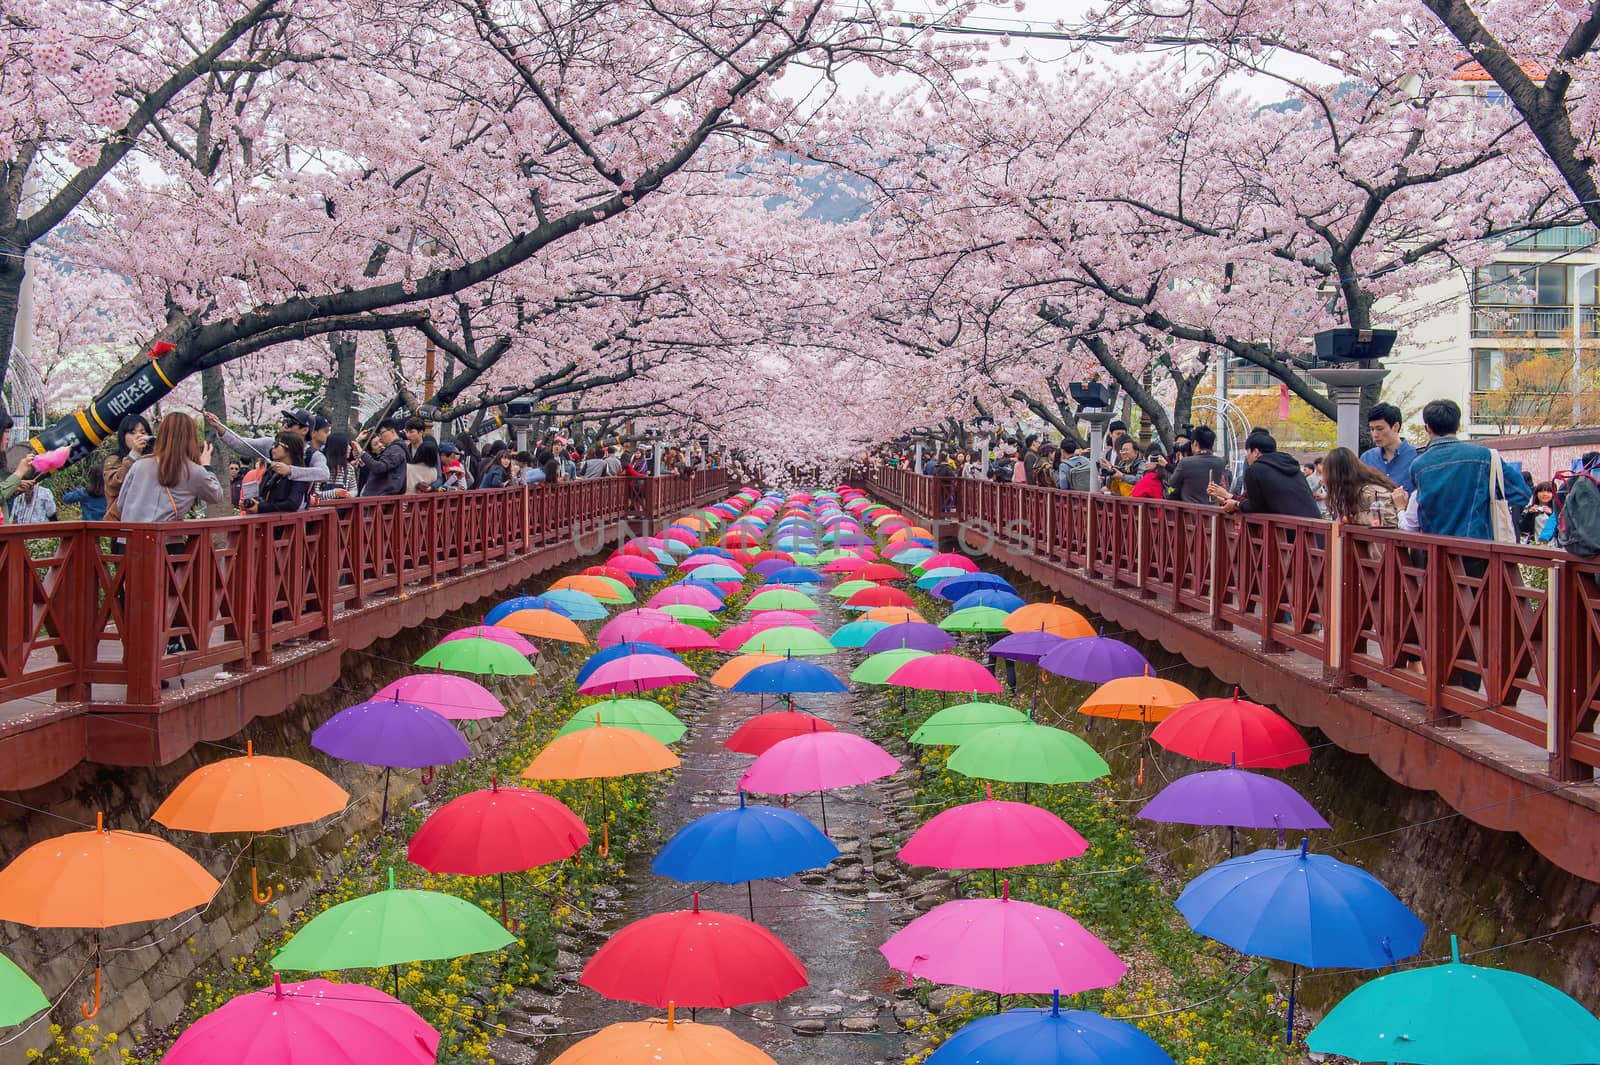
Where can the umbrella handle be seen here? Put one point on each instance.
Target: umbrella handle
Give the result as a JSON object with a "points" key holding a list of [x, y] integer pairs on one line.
{"points": [[511, 924], [605, 840], [427, 776], [90, 1011], [255, 891]]}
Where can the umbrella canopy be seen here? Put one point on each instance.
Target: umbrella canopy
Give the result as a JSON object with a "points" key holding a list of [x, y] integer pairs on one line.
{"points": [[945, 673], [1028, 753], [544, 625], [391, 927], [950, 560], [818, 761], [663, 1042], [1232, 730], [446, 694], [1039, 617], [637, 566], [1050, 1036], [996, 598], [975, 619], [992, 835], [686, 595], [917, 634], [697, 958], [391, 733], [879, 571], [1095, 659], [745, 843], [792, 575], [20, 997], [621, 576], [789, 676], [878, 595], [601, 751], [785, 597], [627, 626], [637, 673], [1232, 797], [845, 589], [1004, 946], [497, 633], [955, 725], [758, 735], [642, 715], [718, 570], [1135, 698], [677, 635], [932, 577], [878, 668], [478, 655], [310, 1023], [620, 650], [577, 605], [250, 794], [527, 602], [1028, 646], [788, 640], [728, 674], [698, 616], [497, 830], [602, 588], [966, 583], [1295, 906], [1458, 1014]]}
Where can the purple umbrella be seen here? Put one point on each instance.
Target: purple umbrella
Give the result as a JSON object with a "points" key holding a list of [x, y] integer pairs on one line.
{"points": [[916, 635], [1235, 798], [1027, 646], [389, 733], [768, 566], [1095, 659]]}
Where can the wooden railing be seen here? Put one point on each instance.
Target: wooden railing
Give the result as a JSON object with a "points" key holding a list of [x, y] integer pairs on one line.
{"points": [[112, 603], [1369, 604]]}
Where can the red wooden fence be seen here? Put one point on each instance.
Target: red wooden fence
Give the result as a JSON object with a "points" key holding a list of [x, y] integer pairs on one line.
{"points": [[1365, 602]]}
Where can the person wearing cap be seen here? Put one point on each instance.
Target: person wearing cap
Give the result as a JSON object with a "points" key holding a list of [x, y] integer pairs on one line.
{"points": [[386, 471], [452, 476], [313, 429]]}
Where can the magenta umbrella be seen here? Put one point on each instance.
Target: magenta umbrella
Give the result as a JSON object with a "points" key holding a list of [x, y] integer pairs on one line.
{"points": [[636, 566], [686, 595], [694, 562], [637, 673], [992, 835], [770, 618], [514, 640], [945, 673], [445, 694], [682, 536], [818, 761], [627, 625], [1004, 946], [679, 636], [314, 1022]]}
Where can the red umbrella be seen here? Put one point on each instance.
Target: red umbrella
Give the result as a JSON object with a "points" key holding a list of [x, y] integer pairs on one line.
{"points": [[770, 553], [616, 573], [757, 735], [881, 571], [696, 958], [681, 535], [1220, 730], [880, 596]]}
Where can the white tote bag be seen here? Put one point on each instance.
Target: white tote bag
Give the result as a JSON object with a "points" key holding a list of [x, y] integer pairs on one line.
{"points": [[1500, 524]]}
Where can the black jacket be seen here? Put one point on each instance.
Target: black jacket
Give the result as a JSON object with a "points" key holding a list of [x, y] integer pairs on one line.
{"points": [[1275, 484], [280, 495], [386, 472], [1193, 475]]}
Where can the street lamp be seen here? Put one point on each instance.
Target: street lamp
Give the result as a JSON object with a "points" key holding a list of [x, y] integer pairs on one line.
{"points": [[1094, 407], [1348, 360]]}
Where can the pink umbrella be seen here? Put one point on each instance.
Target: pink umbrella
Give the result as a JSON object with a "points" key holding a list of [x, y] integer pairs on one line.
{"points": [[818, 761], [638, 567], [845, 565], [949, 560], [733, 639], [309, 1023], [629, 624], [945, 673], [679, 636], [992, 835], [686, 595], [786, 617], [637, 673], [694, 562], [445, 694], [514, 640], [1004, 946], [683, 536]]}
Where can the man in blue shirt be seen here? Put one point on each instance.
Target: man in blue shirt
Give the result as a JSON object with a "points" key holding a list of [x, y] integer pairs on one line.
{"points": [[1392, 454], [1452, 482]]}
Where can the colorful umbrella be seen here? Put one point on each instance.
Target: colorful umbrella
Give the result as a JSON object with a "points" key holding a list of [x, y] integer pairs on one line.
{"points": [[309, 1023], [621, 576], [845, 589], [699, 617], [728, 674], [784, 598], [1028, 646], [1234, 798], [1028, 753], [1232, 730], [789, 676], [950, 560], [20, 997], [792, 575], [966, 583], [527, 602], [893, 615], [446, 694], [818, 761], [1039, 617], [627, 626], [577, 605], [975, 619], [478, 655], [856, 633], [945, 673], [955, 725], [992, 835], [917, 634], [637, 673], [391, 734], [878, 595], [696, 958], [1143, 698], [1095, 659], [788, 640], [600, 752], [602, 588], [878, 668], [642, 715], [760, 733], [663, 1042], [744, 844], [496, 633], [686, 595], [1049, 1037], [677, 635], [616, 651], [544, 625]]}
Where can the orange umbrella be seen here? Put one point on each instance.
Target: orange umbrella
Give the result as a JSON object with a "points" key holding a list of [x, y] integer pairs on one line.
{"points": [[894, 615], [734, 669], [663, 1042], [1144, 698], [544, 625], [592, 585], [602, 751], [1049, 617], [100, 879], [250, 794], [694, 521]]}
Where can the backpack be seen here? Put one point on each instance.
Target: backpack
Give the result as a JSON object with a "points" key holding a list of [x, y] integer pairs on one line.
{"points": [[1579, 528]]}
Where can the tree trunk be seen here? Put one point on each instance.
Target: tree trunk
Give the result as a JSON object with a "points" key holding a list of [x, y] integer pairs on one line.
{"points": [[214, 400], [341, 393], [12, 267]]}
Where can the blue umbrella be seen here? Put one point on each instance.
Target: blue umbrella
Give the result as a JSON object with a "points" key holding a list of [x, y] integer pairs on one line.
{"points": [[713, 549], [791, 676], [716, 571], [525, 602], [580, 606], [704, 582], [744, 844], [937, 576], [856, 633], [956, 587], [794, 575], [1302, 908], [1049, 1037], [616, 651], [998, 598]]}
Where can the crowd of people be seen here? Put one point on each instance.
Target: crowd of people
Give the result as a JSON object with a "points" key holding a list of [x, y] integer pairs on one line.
{"points": [[1448, 486]]}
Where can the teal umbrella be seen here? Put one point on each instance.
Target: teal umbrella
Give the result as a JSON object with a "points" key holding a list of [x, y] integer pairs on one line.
{"points": [[856, 633], [1457, 1014]]}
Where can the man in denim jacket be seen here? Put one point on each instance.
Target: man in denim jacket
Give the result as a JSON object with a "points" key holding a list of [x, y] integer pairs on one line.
{"points": [[1452, 479]]}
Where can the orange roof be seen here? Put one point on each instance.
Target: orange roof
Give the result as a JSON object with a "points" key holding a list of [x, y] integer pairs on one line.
{"points": [[1472, 70]]}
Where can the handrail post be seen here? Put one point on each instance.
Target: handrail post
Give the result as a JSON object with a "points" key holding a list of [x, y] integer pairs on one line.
{"points": [[1221, 572], [144, 585], [1562, 628], [327, 568], [1335, 640], [76, 586]]}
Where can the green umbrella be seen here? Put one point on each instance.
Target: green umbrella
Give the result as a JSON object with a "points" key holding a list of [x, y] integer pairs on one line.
{"points": [[641, 715], [698, 616], [876, 669], [845, 589], [788, 640], [478, 655], [779, 599], [20, 997], [955, 725], [975, 619], [391, 928], [1457, 1014], [1028, 753], [805, 558]]}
